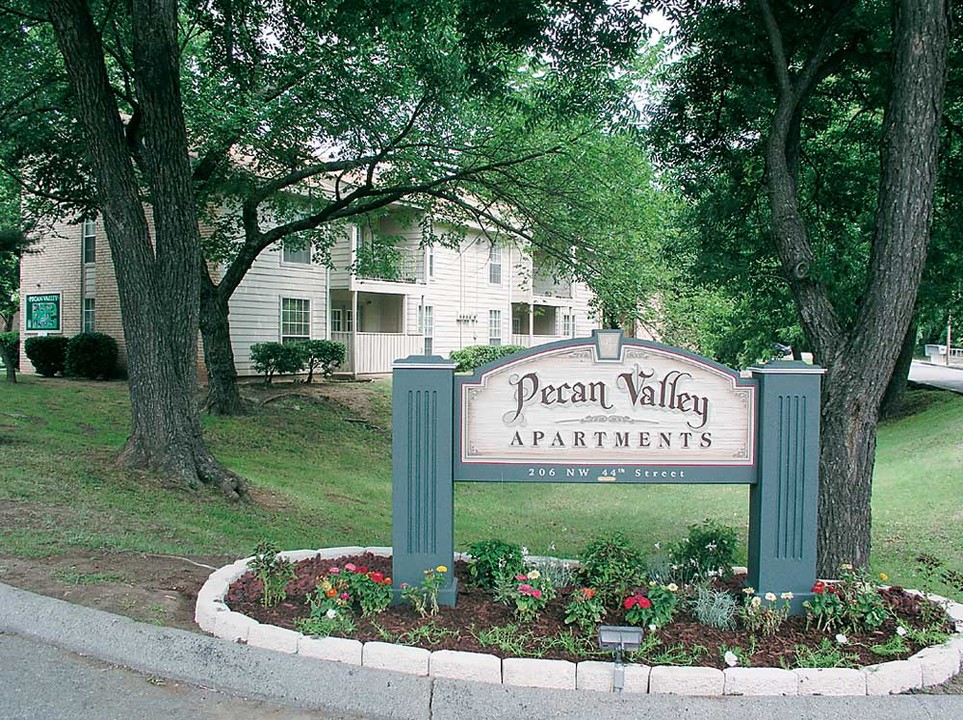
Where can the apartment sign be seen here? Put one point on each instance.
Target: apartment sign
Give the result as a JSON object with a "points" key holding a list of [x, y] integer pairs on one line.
{"points": [[42, 313], [624, 405]]}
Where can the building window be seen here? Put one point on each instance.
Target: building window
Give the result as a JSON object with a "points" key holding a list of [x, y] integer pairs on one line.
{"points": [[296, 255], [340, 320], [568, 325], [88, 315], [90, 241], [494, 327], [431, 262], [295, 319], [426, 321], [495, 265]]}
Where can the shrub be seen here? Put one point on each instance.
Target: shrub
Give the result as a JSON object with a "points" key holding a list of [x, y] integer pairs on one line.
{"points": [[47, 353], [91, 355], [273, 571], [493, 559], [708, 550], [475, 356], [322, 355], [852, 604], [584, 610], [611, 566], [270, 358], [715, 608], [10, 349]]}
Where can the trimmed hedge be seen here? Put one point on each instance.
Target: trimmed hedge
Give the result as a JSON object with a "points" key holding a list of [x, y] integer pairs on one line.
{"points": [[91, 355], [274, 358], [475, 356], [47, 353]]}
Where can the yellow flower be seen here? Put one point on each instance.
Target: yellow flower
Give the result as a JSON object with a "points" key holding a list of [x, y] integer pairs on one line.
{"points": [[884, 577], [534, 575], [441, 569]]}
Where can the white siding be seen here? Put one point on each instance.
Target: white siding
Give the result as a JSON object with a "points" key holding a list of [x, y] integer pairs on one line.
{"points": [[256, 304]]}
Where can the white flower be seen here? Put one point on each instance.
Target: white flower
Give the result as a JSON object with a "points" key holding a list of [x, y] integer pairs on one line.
{"points": [[534, 575], [524, 551], [787, 596], [756, 601], [771, 596], [672, 587], [658, 546], [842, 639], [901, 631], [711, 546], [652, 627], [331, 614], [731, 658]]}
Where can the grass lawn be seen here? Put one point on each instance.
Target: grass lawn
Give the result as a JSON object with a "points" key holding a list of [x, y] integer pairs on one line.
{"points": [[318, 479]]}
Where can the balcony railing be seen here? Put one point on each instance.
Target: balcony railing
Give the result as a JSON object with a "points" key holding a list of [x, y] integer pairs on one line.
{"points": [[390, 264], [375, 352], [543, 286]]}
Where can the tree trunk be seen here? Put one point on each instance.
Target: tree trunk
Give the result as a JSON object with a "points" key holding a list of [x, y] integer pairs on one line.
{"points": [[157, 278], [223, 394], [860, 357], [896, 388]]}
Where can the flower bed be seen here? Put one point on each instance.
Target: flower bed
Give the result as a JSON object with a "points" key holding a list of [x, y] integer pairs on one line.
{"points": [[478, 624]]}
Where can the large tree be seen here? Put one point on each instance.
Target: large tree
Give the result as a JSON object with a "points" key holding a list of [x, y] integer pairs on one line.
{"points": [[852, 276], [271, 122]]}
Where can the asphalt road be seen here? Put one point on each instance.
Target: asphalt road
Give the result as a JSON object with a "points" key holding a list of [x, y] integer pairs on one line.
{"points": [[940, 376]]}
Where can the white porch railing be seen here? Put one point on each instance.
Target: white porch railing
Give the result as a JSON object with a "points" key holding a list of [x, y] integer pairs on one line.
{"points": [[375, 352], [532, 341]]}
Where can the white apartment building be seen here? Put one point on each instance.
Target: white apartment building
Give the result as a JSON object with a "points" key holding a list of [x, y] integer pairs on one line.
{"points": [[426, 300]]}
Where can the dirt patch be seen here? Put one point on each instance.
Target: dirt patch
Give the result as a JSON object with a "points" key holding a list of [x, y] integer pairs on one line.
{"points": [[365, 408], [159, 589]]}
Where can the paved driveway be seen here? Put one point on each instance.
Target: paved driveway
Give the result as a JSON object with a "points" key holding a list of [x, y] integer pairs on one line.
{"points": [[940, 376]]}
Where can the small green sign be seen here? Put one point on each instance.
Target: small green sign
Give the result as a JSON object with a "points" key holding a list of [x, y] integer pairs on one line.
{"points": [[43, 313]]}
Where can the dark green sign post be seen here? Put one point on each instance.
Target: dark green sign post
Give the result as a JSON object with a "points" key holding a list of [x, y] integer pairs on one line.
{"points": [[609, 409]]}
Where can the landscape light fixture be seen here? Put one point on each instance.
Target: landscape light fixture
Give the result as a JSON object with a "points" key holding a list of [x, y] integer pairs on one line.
{"points": [[619, 639]]}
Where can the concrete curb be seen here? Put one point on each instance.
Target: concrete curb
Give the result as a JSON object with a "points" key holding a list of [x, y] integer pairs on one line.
{"points": [[930, 666]]}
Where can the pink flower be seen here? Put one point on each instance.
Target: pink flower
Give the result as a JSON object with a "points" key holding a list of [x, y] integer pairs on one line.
{"points": [[521, 577], [333, 571], [525, 589], [536, 594], [350, 567], [344, 596]]}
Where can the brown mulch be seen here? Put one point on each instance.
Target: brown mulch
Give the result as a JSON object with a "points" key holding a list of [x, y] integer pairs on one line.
{"points": [[475, 611]]}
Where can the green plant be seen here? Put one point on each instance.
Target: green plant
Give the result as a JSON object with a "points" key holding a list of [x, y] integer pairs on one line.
{"points": [[273, 571], [764, 615], [561, 573], [507, 638], [827, 655], [429, 633], [652, 605], [369, 591], [527, 593], [474, 356], [493, 559], [424, 598], [708, 550], [380, 261], [715, 608], [322, 355], [274, 358], [734, 655], [611, 566], [10, 349], [892, 647], [47, 353], [678, 654], [91, 355], [850, 604], [584, 610]]}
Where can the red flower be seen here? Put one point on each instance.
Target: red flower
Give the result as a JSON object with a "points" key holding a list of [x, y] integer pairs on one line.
{"points": [[631, 602], [819, 587], [376, 577], [362, 570], [588, 593], [644, 602]]}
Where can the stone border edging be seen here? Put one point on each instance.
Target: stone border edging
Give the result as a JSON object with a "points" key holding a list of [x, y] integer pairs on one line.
{"points": [[930, 666]]}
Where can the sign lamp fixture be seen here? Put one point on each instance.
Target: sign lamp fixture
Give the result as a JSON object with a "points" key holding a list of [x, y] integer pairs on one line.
{"points": [[619, 639]]}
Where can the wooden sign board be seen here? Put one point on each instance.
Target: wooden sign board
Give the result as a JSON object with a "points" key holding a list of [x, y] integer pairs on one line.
{"points": [[639, 411]]}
